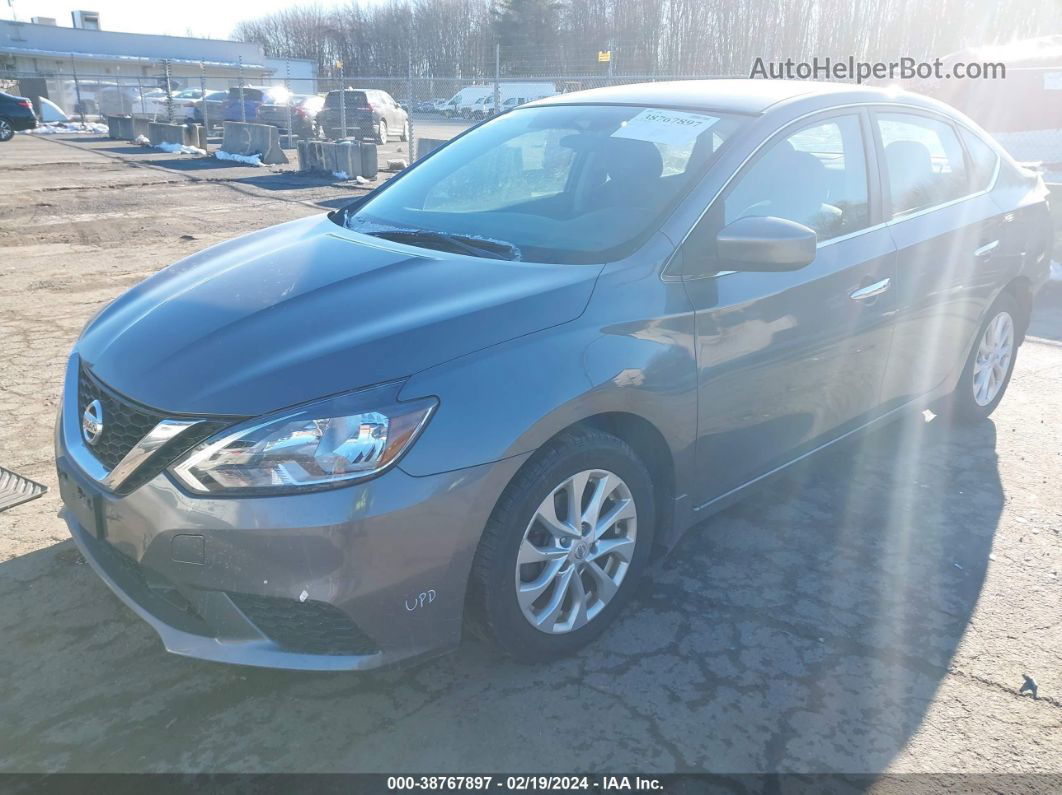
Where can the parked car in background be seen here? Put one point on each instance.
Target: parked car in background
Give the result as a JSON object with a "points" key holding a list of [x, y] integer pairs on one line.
{"points": [[303, 114], [274, 111], [370, 114], [306, 125], [211, 108], [118, 100], [481, 108], [16, 113], [436, 105], [253, 96]]}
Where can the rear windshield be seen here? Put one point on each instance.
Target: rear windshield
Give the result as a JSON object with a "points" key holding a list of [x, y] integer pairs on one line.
{"points": [[354, 99], [249, 94], [561, 184]]}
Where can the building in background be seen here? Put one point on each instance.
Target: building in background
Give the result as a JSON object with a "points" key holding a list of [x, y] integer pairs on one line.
{"points": [[1024, 109], [44, 58]]}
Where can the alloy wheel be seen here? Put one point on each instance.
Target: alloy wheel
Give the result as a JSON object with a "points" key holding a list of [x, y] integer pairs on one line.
{"points": [[6, 131], [993, 358], [576, 551]]}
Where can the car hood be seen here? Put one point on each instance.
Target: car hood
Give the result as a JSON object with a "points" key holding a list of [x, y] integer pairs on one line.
{"points": [[308, 309]]}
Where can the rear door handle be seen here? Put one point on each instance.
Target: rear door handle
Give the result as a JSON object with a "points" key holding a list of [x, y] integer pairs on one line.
{"points": [[871, 290], [986, 249]]}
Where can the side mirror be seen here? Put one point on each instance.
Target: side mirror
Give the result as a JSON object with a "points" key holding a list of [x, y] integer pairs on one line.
{"points": [[765, 244]]}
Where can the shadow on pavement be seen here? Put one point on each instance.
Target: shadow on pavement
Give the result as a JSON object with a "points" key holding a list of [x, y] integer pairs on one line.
{"points": [[1047, 313], [806, 629]]}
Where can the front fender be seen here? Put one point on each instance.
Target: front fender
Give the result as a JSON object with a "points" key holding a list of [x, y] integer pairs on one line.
{"points": [[632, 351]]}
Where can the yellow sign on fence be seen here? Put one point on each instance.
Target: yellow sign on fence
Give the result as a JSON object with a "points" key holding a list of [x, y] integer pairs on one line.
{"points": [[604, 56]]}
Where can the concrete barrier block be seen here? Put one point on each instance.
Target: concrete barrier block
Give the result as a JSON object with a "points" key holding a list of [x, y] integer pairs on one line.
{"points": [[328, 156], [253, 139], [113, 127], [140, 128], [348, 158], [425, 146], [370, 163], [201, 136], [159, 133]]}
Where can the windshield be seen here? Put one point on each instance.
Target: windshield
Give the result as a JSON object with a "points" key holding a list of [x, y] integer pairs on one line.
{"points": [[562, 184]]}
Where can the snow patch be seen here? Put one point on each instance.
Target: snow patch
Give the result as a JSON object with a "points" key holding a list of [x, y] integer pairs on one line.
{"points": [[59, 128], [250, 160], [180, 149], [1056, 271], [142, 140], [340, 175]]}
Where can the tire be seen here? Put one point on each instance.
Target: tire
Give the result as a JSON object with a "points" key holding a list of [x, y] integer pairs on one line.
{"points": [[7, 130], [516, 528], [977, 395], [381, 132]]}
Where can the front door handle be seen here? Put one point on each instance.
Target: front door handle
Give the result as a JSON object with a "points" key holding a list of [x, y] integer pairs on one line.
{"points": [[871, 290], [986, 249]]}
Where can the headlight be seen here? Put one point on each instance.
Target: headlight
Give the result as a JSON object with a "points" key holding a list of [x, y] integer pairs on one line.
{"points": [[323, 444]]}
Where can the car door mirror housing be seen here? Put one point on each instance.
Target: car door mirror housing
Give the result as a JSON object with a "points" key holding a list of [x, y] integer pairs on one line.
{"points": [[765, 243]]}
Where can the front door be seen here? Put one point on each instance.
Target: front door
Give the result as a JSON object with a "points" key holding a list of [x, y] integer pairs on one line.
{"points": [[790, 360]]}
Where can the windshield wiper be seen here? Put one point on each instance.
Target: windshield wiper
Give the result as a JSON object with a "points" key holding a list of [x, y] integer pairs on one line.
{"points": [[459, 244]]}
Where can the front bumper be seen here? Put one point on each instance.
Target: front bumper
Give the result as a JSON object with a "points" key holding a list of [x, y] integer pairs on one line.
{"points": [[347, 579]]}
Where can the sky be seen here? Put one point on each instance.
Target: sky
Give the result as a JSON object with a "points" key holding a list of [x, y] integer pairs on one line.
{"points": [[199, 18]]}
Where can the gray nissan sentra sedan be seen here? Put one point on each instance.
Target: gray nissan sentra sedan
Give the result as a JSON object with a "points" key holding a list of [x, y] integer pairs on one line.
{"points": [[495, 389]]}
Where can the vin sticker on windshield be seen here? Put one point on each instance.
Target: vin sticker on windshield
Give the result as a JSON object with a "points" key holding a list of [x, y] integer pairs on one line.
{"points": [[671, 127]]}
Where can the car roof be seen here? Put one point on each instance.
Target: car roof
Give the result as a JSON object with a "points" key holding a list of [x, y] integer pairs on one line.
{"points": [[728, 95]]}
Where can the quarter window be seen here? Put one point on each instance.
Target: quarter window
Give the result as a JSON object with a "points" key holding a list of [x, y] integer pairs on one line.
{"points": [[983, 159], [816, 176], [924, 162]]}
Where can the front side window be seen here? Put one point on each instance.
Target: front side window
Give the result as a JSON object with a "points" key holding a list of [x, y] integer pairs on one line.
{"points": [[923, 160], [562, 184], [815, 176]]}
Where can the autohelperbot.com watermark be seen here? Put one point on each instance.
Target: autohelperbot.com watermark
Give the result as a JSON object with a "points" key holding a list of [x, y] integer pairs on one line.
{"points": [[852, 69]]}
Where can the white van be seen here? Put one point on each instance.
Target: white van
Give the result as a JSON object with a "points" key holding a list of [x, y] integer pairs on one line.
{"points": [[460, 104], [478, 101]]}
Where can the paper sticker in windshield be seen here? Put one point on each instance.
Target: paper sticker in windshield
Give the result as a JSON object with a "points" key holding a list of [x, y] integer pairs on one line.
{"points": [[671, 127]]}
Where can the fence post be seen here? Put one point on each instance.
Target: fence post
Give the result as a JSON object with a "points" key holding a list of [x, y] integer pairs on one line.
{"points": [[287, 86], [169, 91], [342, 107], [202, 101], [243, 107], [411, 144], [77, 88], [497, 76]]}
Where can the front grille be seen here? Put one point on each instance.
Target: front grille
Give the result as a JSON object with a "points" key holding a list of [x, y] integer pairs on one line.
{"points": [[124, 423], [307, 627]]}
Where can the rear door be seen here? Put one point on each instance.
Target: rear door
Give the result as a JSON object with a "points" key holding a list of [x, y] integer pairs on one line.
{"points": [[947, 231], [789, 361]]}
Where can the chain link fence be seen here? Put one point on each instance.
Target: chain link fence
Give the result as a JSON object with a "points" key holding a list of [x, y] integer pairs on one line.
{"points": [[380, 108]]}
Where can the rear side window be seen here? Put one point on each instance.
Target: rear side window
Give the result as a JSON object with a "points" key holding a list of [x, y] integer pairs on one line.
{"points": [[354, 99], [816, 176], [983, 160], [923, 160]]}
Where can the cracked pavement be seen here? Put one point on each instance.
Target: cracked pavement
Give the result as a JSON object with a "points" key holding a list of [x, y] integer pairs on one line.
{"points": [[873, 610]]}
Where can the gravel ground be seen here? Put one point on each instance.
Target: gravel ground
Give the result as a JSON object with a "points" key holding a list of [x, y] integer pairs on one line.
{"points": [[872, 611]]}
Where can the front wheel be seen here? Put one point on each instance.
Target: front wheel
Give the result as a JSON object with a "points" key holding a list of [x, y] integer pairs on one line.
{"points": [[564, 548], [988, 369]]}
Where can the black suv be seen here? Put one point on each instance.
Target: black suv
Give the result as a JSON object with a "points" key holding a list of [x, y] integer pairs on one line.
{"points": [[16, 113], [370, 114]]}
